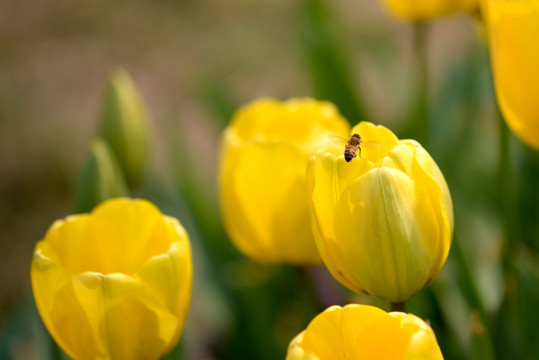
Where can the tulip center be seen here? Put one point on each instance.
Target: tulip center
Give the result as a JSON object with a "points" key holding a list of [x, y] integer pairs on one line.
{"points": [[109, 244]]}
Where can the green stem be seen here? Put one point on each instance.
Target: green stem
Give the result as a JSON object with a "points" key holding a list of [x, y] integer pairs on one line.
{"points": [[481, 344], [55, 352], [308, 288], [467, 278], [505, 193], [398, 306], [421, 64]]}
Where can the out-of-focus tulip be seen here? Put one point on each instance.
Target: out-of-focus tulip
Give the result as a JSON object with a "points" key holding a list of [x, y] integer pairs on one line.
{"points": [[101, 178], [124, 124], [115, 283], [383, 223], [363, 332], [513, 29], [264, 155], [421, 10]]}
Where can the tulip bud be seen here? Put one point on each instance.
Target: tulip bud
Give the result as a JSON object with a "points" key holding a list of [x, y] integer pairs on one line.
{"points": [[101, 178], [513, 34], [364, 332], [421, 10], [383, 222], [115, 283], [124, 124], [262, 177]]}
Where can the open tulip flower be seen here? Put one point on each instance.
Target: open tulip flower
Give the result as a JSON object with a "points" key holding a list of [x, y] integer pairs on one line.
{"points": [[115, 283], [383, 222], [421, 10], [513, 29], [363, 332], [264, 155]]}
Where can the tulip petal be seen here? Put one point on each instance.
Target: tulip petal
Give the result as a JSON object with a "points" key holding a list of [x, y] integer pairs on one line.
{"points": [[92, 242], [422, 341], [97, 316], [434, 219], [377, 140], [327, 175], [68, 242], [169, 276], [420, 10], [434, 207], [294, 121], [136, 220], [65, 318], [126, 317], [380, 235], [372, 343], [513, 32], [264, 216], [296, 352], [430, 168], [339, 329]]}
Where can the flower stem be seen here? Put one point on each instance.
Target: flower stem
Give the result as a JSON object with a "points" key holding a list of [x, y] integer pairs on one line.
{"points": [[421, 64], [505, 191], [398, 306]]}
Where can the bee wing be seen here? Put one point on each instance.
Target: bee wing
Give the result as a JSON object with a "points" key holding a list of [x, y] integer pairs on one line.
{"points": [[337, 139], [371, 143]]}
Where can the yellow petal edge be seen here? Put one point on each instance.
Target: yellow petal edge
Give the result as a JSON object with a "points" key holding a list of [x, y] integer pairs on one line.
{"points": [[363, 332]]}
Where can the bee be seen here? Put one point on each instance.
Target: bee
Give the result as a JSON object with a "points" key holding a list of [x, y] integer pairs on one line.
{"points": [[352, 147]]}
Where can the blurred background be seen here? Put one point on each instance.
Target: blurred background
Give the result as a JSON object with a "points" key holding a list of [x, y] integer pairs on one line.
{"points": [[194, 63]]}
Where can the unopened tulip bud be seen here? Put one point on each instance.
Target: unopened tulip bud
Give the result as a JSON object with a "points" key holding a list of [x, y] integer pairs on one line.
{"points": [[101, 178], [383, 222], [124, 124]]}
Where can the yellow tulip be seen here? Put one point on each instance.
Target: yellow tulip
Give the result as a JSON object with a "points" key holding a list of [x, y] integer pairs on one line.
{"points": [[383, 222], [115, 283], [363, 332], [264, 155], [513, 29], [421, 10]]}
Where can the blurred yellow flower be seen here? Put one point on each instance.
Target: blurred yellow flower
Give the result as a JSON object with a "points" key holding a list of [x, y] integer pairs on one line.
{"points": [[115, 283], [363, 332], [421, 10], [513, 28], [264, 155], [383, 223]]}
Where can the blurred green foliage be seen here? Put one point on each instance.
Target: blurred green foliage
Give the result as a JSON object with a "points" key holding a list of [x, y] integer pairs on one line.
{"points": [[481, 306], [101, 178], [329, 60]]}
